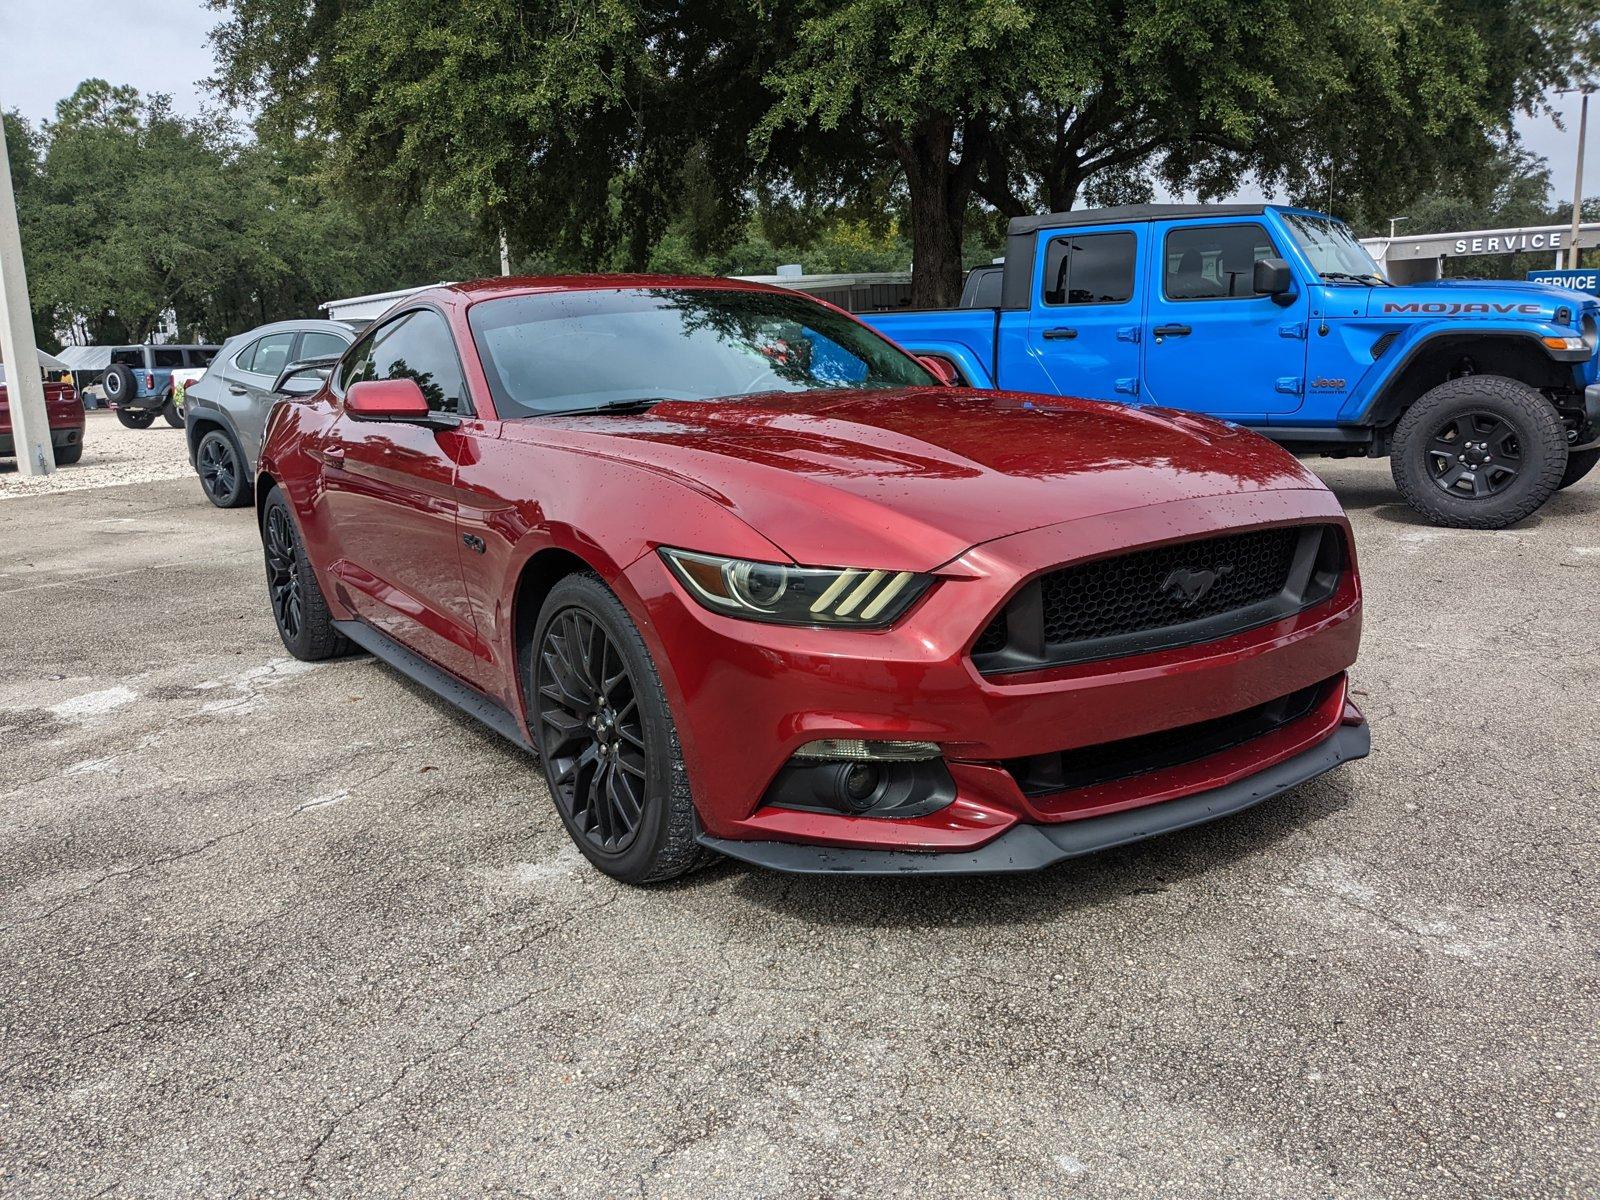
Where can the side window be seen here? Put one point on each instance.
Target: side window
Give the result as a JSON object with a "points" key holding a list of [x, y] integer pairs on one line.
{"points": [[321, 345], [415, 346], [132, 357], [1214, 262], [167, 359], [1090, 268], [268, 355], [200, 356]]}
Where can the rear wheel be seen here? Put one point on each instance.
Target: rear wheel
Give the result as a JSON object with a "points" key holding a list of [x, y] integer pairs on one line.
{"points": [[298, 608], [67, 455], [607, 739], [221, 470], [170, 413], [1479, 452], [1579, 464], [136, 418]]}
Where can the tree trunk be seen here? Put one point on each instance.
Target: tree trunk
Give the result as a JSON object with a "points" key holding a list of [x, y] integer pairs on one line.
{"points": [[939, 190]]}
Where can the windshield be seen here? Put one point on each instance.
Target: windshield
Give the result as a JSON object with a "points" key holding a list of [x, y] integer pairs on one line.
{"points": [[1332, 249], [581, 350]]}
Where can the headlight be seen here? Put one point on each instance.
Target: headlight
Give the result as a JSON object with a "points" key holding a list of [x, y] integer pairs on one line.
{"points": [[786, 595]]}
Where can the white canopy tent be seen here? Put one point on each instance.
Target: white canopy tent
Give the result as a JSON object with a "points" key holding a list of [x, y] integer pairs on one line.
{"points": [[48, 362], [85, 358]]}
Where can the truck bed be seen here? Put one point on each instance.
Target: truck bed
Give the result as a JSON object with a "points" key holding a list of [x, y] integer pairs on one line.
{"points": [[964, 336]]}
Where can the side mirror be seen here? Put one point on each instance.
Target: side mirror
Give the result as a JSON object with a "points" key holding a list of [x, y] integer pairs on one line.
{"points": [[386, 400], [1273, 278], [292, 379], [940, 369]]}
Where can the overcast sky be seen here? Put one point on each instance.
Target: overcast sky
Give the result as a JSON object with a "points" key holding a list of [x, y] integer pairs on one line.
{"points": [[160, 45]]}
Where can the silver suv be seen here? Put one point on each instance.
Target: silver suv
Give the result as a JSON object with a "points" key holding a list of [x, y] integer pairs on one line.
{"points": [[225, 410]]}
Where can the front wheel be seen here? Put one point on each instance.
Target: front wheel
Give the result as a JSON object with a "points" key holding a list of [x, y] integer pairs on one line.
{"points": [[1579, 464], [607, 739], [1479, 452], [298, 608], [136, 418]]}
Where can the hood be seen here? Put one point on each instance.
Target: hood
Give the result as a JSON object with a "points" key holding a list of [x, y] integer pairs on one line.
{"points": [[910, 479], [1505, 300]]}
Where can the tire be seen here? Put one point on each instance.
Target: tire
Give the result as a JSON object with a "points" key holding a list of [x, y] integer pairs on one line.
{"points": [[1579, 464], [67, 456], [594, 788], [298, 608], [117, 384], [170, 412], [221, 469], [136, 418], [1479, 452]]}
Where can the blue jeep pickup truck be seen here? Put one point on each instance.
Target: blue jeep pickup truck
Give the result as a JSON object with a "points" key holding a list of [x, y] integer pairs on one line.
{"points": [[1482, 394]]}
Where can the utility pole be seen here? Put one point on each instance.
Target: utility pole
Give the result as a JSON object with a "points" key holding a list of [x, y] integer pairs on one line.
{"points": [[30, 424], [1577, 183]]}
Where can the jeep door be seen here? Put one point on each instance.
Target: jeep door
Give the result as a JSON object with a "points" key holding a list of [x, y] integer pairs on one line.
{"points": [[1083, 329], [1212, 345], [389, 495]]}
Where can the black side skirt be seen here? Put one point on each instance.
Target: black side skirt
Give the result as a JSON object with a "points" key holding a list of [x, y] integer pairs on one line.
{"points": [[463, 695], [1032, 847]]}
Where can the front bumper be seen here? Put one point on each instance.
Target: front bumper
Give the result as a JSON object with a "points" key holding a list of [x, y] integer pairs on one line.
{"points": [[745, 696], [1034, 847]]}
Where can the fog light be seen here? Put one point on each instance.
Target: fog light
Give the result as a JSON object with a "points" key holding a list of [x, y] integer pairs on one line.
{"points": [[858, 784], [855, 750]]}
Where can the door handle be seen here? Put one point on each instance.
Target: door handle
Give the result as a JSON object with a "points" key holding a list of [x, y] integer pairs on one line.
{"points": [[333, 456], [1172, 331], [1060, 335], [237, 389]]}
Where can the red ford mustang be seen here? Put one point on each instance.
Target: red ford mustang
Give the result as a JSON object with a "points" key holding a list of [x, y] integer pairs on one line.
{"points": [[752, 580]]}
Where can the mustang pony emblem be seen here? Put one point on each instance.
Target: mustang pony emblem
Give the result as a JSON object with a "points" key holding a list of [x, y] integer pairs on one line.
{"points": [[1190, 587]]}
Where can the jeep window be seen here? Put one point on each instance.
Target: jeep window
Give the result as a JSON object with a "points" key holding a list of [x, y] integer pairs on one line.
{"points": [[200, 356], [415, 346], [1332, 249], [165, 359], [1214, 262], [583, 350], [131, 356], [1095, 268], [321, 345]]}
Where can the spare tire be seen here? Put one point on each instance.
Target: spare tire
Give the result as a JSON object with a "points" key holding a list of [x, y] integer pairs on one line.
{"points": [[117, 384]]}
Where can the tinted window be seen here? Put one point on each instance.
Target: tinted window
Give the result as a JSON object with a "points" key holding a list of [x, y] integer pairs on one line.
{"points": [[982, 289], [1094, 268], [562, 352], [268, 355], [201, 356], [133, 356], [321, 345], [1214, 262], [165, 359], [416, 346]]}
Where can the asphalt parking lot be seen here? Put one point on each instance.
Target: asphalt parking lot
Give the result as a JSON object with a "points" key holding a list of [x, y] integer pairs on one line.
{"points": [[271, 928]]}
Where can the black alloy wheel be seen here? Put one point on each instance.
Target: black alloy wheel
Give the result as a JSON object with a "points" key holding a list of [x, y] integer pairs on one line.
{"points": [[284, 585], [221, 474], [1474, 454], [592, 731]]}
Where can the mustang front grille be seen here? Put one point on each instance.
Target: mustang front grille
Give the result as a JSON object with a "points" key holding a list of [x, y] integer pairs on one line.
{"points": [[1174, 595]]}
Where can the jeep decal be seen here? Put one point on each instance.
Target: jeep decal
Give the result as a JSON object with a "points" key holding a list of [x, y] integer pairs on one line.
{"points": [[1457, 309]]}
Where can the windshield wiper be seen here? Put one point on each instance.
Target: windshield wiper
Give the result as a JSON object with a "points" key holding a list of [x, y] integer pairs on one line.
{"points": [[1354, 278], [634, 404]]}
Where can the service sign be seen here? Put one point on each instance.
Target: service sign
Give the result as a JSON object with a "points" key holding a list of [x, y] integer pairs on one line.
{"points": [[1587, 280]]}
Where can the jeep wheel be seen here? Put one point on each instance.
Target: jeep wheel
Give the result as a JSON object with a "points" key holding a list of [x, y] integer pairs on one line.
{"points": [[136, 418], [1579, 464], [221, 468], [170, 412], [1479, 452], [117, 384]]}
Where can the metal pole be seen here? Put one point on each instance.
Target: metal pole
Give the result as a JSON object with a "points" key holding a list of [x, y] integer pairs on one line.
{"points": [[505, 255], [30, 424], [1577, 182]]}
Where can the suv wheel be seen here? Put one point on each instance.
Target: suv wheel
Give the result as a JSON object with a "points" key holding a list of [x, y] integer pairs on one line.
{"points": [[136, 418], [1479, 452], [606, 737], [117, 383], [169, 410], [221, 468], [298, 608], [1579, 464]]}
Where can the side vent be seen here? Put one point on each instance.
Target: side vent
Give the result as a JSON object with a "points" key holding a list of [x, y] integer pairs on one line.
{"points": [[1381, 346]]}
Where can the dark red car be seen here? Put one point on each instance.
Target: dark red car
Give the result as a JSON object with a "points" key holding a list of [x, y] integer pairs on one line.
{"points": [[751, 579], [64, 412]]}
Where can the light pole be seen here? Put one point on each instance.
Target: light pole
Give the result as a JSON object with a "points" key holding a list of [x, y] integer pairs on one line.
{"points": [[30, 424], [1577, 182], [1393, 221]]}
